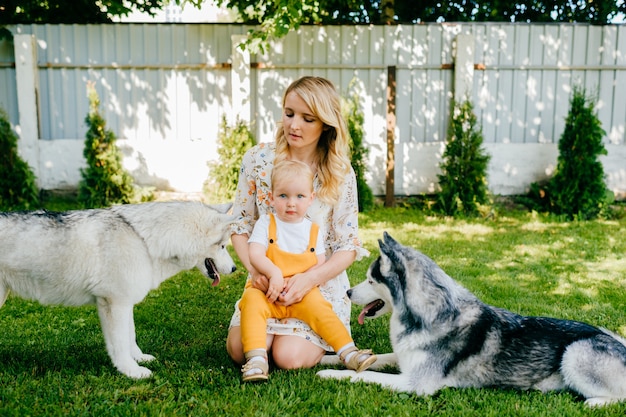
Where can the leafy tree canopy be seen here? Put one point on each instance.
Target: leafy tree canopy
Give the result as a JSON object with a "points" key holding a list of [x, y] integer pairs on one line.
{"points": [[283, 15], [410, 11], [277, 17], [75, 11]]}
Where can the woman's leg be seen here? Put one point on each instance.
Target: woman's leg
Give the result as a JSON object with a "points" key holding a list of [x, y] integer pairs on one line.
{"points": [[295, 352], [234, 347]]}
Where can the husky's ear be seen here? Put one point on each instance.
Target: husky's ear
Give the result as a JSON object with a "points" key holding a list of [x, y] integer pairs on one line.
{"points": [[389, 254], [389, 240], [222, 208]]}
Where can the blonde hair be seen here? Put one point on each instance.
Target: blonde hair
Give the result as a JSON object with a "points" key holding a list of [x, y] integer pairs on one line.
{"points": [[333, 147], [286, 170]]}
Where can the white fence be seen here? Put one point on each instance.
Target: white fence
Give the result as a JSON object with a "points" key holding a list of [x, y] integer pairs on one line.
{"points": [[164, 89]]}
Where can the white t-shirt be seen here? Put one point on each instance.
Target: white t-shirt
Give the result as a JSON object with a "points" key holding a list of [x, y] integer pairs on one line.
{"points": [[292, 237]]}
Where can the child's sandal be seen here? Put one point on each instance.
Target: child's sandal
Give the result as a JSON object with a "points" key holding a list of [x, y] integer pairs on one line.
{"points": [[261, 367], [355, 362]]}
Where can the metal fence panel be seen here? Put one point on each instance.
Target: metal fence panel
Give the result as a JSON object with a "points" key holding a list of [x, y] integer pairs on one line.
{"points": [[172, 82]]}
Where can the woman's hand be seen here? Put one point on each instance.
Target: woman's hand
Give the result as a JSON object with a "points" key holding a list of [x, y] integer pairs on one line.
{"points": [[296, 288], [299, 285]]}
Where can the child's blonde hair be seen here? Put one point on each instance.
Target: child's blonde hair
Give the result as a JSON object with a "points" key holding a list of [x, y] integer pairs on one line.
{"points": [[333, 147], [286, 170]]}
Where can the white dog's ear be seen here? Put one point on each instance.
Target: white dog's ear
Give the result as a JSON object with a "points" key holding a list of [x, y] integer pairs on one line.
{"points": [[222, 208]]}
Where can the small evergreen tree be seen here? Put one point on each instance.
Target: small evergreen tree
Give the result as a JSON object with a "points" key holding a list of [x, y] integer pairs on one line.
{"points": [[232, 144], [104, 181], [463, 180], [18, 188], [577, 188], [354, 118]]}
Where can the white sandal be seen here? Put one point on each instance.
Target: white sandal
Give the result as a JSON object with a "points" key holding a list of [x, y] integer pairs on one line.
{"points": [[255, 370], [355, 362]]}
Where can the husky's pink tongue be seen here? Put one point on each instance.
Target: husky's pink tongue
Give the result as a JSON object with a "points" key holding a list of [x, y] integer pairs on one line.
{"points": [[362, 316], [366, 310]]}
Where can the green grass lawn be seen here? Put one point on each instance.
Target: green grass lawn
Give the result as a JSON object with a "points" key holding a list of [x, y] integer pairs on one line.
{"points": [[53, 360]]}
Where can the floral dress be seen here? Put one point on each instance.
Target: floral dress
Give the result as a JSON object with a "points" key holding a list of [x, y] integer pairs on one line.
{"points": [[340, 223]]}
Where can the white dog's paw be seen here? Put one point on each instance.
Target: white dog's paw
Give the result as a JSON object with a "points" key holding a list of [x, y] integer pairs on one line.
{"points": [[140, 373], [137, 372], [139, 356], [336, 374], [144, 357]]}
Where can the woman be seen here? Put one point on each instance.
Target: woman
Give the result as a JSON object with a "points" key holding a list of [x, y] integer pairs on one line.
{"points": [[312, 131]]}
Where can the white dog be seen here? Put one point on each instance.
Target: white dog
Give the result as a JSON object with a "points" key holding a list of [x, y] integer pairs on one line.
{"points": [[112, 258], [443, 336]]}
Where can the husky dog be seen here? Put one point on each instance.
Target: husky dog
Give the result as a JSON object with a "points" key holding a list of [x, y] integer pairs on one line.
{"points": [[112, 258], [443, 336]]}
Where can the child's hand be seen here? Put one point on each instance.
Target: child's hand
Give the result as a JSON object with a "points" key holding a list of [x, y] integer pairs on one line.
{"points": [[259, 280], [276, 287]]}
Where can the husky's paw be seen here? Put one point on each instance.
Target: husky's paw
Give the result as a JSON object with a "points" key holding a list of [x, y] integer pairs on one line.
{"points": [[600, 401], [144, 357], [336, 374], [331, 360]]}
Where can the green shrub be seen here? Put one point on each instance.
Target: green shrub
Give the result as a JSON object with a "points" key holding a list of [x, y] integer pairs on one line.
{"points": [[463, 180], [104, 182], [354, 118], [232, 144], [18, 187], [577, 189]]}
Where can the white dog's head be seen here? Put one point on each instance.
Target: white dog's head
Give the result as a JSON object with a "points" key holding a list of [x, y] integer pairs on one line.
{"points": [[217, 260]]}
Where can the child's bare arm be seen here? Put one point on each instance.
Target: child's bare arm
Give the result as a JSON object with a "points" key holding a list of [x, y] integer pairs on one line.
{"points": [[264, 265]]}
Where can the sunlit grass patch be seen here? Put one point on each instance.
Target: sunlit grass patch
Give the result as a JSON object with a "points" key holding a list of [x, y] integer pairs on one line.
{"points": [[53, 360]]}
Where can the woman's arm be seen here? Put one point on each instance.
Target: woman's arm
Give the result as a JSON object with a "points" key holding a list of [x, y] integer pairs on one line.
{"points": [[240, 244], [245, 206]]}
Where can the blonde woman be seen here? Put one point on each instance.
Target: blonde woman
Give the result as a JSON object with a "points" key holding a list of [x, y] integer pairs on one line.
{"points": [[312, 131]]}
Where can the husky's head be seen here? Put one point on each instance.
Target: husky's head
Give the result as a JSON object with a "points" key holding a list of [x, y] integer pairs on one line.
{"points": [[407, 282], [217, 260]]}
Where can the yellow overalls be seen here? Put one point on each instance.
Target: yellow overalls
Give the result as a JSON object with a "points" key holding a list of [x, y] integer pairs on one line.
{"points": [[314, 309]]}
